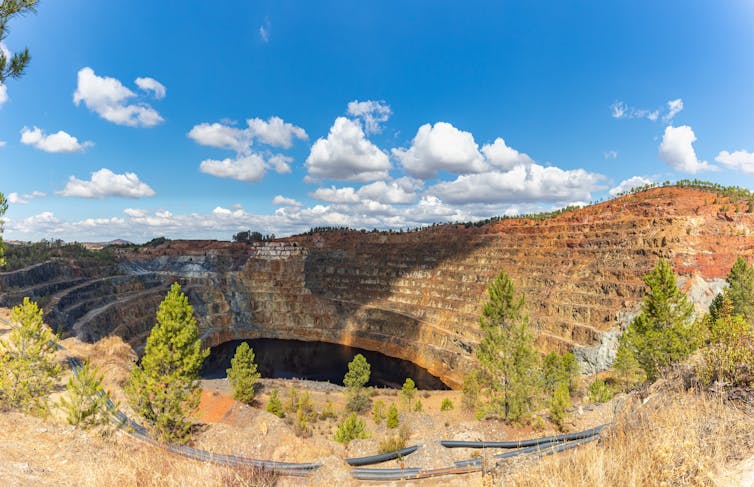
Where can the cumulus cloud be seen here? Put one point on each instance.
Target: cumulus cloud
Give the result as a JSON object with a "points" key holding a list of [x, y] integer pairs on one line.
{"points": [[620, 109], [372, 113], [250, 168], [336, 195], [521, 184], [500, 155], [275, 132], [57, 142], [3, 94], [346, 154], [221, 136], [441, 147], [153, 86], [398, 192], [111, 100], [22, 199], [248, 165], [629, 184], [677, 151], [105, 183], [740, 160], [281, 200]]}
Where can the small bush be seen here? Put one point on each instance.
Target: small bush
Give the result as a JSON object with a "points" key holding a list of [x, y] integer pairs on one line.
{"points": [[85, 403], [291, 402], [561, 400], [392, 443], [378, 411], [418, 407], [392, 417], [351, 428], [408, 391], [446, 405], [600, 391], [328, 412], [275, 405]]}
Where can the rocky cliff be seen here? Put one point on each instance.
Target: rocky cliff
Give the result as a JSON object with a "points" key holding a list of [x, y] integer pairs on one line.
{"points": [[416, 295]]}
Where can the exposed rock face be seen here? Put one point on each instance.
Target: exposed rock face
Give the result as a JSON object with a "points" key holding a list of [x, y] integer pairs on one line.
{"points": [[418, 295]]}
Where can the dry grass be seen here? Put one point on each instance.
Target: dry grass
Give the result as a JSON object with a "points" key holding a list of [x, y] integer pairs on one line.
{"points": [[675, 438]]}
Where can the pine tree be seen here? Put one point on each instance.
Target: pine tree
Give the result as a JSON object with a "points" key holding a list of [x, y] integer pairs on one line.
{"points": [[378, 411], [508, 363], [408, 391], [664, 333], [28, 370], [86, 401], [243, 374], [561, 400], [355, 379], [741, 289], [14, 66], [164, 387]]}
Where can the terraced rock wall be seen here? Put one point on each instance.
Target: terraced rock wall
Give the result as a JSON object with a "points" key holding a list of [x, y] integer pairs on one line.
{"points": [[418, 295]]}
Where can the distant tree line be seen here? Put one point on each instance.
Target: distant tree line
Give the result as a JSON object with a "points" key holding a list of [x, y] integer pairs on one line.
{"points": [[248, 237]]}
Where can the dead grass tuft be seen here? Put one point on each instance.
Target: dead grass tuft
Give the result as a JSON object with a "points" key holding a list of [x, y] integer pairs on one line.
{"points": [[674, 438]]}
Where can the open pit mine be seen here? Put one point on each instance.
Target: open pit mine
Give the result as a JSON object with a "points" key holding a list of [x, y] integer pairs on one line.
{"points": [[415, 296]]}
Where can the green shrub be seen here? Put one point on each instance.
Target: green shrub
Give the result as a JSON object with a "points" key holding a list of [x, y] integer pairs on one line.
{"points": [[392, 444], [275, 405], [328, 412], [561, 401], [418, 407], [600, 391], [378, 411], [351, 428], [392, 417], [446, 405]]}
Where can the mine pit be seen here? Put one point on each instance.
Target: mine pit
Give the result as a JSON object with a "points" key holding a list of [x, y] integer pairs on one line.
{"points": [[319, 361]]}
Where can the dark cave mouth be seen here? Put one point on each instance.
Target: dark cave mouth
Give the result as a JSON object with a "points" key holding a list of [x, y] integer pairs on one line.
{"points": [[320, 361]]}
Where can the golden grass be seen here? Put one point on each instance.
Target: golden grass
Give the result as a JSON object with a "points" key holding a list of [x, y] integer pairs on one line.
{"points": [[675, 438]]}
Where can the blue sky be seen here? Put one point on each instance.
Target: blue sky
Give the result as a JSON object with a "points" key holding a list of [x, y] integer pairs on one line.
{"points": [[184, 119]]}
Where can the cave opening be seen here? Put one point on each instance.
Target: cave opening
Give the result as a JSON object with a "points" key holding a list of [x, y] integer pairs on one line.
{"points": [[320, 361]]}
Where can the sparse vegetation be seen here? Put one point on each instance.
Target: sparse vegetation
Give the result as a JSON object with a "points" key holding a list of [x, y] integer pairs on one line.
{"points": [[378, 411], [600, 391], [392, 420], [446, 405]]}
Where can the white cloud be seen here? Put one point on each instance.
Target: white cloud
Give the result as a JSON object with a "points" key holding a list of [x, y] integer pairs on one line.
{"points": [[500, 155], [630, 183], [611, 154], [373, 113], [105, 183], [281, 200], [677, 151], [109, 99], [264, 31], [2, 143], [157, 89], [521, 184], [275, 132], [134, 212], [280, 163], [620, 109], [221, 136], [249, 168], [674, 107], [740, 160], [336, 195], [346, 154], [441, 147], [22, 199], [3, 94], [57, 142], [402, 191]]}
